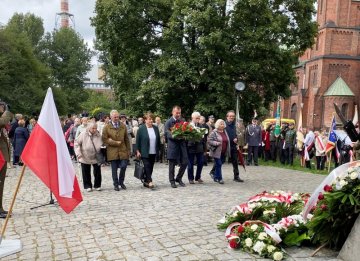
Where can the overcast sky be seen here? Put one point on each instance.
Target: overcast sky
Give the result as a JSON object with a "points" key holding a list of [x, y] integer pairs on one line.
{"points": [[47, 9]]}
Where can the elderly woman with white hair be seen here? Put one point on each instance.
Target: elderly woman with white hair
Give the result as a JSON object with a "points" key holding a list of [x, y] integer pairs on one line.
{"points": [[219, 147], [87, 144]]}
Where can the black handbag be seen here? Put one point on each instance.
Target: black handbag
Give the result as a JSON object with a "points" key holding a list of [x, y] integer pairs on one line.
{"points": [[100, 158], [139, 172]]}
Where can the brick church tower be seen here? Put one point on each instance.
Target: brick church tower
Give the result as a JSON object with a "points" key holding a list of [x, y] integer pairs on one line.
{"points": [[329, 72]]}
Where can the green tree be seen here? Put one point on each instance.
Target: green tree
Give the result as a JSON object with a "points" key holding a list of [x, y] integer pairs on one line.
{"points": [[23, 78], [68, 58], [158, 53], [28, 24], [98, 102]]}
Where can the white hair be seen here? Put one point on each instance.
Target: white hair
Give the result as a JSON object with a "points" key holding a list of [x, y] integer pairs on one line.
{"points": [[195, 114], [218, 122], [91, 125], [113, 112]]}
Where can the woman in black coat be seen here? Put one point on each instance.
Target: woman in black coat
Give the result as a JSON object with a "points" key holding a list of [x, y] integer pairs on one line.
{"points": [[21, 136], [147, 145]]}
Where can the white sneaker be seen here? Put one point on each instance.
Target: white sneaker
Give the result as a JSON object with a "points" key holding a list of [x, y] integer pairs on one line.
{"points": [[98, 189], [89, 189]]}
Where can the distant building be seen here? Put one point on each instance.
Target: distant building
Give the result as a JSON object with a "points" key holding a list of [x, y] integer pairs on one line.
{"points": [[329, 72], [95, 80]]}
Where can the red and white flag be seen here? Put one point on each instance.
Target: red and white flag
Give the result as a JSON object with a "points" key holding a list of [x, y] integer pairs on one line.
{"points": [[46, 154]]}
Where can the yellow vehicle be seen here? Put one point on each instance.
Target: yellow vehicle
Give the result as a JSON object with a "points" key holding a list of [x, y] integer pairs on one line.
{"points": [[266, 122]]}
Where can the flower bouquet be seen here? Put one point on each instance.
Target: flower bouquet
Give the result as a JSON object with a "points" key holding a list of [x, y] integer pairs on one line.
{"points": [[269, 207], [184, 130], [255, 237], [337, 207]]}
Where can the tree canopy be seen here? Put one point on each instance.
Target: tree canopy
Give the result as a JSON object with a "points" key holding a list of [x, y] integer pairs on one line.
{"points": [[30, 62], [158, 53]]}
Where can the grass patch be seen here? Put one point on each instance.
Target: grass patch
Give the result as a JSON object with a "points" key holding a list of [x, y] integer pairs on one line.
{"points": [[297, 166]]}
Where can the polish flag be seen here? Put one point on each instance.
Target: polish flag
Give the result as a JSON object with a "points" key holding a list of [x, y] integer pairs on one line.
{"points": [[46, 154]]}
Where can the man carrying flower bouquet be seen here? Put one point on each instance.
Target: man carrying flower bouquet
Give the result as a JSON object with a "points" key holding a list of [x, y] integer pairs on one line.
{"points": [[177, 151]]}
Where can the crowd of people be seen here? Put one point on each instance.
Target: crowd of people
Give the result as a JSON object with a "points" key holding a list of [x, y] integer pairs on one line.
{"points": [[117, 138]]}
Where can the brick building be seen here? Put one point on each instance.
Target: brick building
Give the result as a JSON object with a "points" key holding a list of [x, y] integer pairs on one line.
{"points": [[329, 72]]}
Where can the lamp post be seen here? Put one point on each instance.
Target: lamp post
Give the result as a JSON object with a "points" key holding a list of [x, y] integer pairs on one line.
{"points": [[239, 87]]}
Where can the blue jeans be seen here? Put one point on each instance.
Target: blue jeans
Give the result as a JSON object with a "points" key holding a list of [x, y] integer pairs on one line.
{"points": [[199, 165], [115, 164], [218, 164]]}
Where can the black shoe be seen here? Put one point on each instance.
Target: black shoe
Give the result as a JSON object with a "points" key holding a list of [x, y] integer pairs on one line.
{"points": [[211, 175], [256, 164], [216, 180], [238, 179], [182, 184], [3, 212], [191, 182], [173, 185], [116, 188], [123, 186], [221, 181], [2, 215]]}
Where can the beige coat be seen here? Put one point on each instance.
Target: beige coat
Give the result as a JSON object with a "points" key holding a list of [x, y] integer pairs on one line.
{"points": [[111, 137], [84, 148]]}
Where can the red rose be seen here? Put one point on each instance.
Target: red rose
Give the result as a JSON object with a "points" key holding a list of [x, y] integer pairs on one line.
{"points": [[240, 229], [328, 188], [321, 196], [233, 243], [190, 129], [177, 125], [323, 207]]}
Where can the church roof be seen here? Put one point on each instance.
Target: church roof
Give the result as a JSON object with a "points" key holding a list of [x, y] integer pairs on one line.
{"points": [[339, 88]]}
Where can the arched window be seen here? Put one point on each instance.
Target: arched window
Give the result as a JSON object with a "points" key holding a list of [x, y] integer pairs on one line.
{"points": [[293, 111], [344, 110]]}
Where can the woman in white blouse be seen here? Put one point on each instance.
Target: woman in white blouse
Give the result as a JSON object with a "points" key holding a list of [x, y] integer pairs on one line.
{"points": [[147, 145]]}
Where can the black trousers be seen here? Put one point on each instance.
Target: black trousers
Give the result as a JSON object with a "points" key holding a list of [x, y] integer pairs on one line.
{"points": [[253, 152], [320, 162], [86, 174], [2, 182], [172, 164], [289, 155], [273, 150], [149, 167]]}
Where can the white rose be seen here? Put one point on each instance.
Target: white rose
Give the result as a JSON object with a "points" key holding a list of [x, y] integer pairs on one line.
{"points": [[254, 227], [262, 236], [248, 242], [354, 175], [278, 256], [271, 248], [343, 183], [235, 214], [259, 246]]}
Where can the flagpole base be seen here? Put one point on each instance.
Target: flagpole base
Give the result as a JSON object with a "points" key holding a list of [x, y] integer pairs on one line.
{"points": [[10, 247]]}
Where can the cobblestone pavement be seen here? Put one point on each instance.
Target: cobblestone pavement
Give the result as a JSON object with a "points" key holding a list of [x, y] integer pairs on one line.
{"points": [[143, 224]]}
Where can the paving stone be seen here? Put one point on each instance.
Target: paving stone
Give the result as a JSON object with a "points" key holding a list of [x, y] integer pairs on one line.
{"points": [[139, 224]]}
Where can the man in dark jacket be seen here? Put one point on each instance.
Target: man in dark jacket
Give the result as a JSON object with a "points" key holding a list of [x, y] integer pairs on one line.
{"points": [[253, 138], [176, 152], [231, 131]]}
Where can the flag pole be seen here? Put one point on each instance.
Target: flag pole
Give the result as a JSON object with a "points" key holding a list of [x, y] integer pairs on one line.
{"points": [[12, 203], [330, 161]]}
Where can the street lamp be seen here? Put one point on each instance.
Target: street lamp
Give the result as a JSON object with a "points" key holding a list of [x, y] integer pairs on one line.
{"points": [[239, 87]]}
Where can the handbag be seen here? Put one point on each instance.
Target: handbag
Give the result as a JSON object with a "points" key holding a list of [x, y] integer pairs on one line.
{"points": [[100, 159], [139, 172]]}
